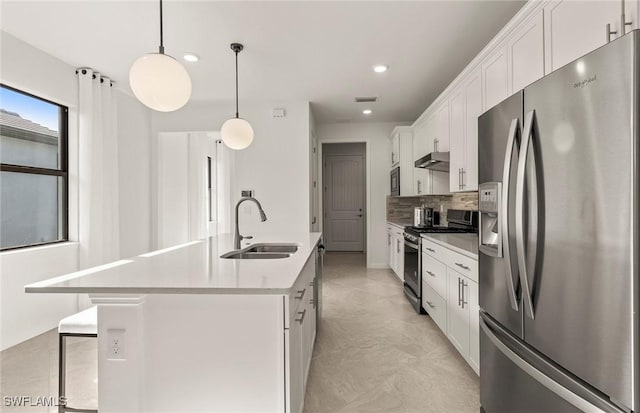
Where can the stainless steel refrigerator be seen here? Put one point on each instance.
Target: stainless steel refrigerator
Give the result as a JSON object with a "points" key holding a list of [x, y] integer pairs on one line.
{"points": [[558, 200]]}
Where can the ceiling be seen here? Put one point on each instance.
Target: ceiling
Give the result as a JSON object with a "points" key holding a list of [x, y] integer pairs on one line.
{"points": [[321, 51]]}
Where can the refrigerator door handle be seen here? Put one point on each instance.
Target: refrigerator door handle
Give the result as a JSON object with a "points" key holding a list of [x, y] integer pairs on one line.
{"points": [[522, 163], [512, 142], [537, 375]]}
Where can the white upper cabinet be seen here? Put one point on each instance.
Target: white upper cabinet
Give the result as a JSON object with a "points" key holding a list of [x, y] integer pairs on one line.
{"points": [[402, 155], [395, 150], [465, 107], [495, 75], [421, 177], [457, 138], [441, 141], [473, 109], [543, 36], [574, 28], [525, 49]]}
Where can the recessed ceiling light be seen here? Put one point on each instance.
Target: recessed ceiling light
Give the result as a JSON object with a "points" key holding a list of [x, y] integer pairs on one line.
{"points": [[366, 112], [380, 68], [191, 57]]}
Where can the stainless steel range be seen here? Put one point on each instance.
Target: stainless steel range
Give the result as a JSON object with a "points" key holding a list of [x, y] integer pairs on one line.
{"points": [[459, 222]]}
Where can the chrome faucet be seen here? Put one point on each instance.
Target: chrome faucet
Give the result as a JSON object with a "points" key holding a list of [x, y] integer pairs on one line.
{"points": [[238, 238]]}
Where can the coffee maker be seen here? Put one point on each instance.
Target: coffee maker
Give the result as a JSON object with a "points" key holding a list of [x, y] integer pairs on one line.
{"points": [[425, 217]]}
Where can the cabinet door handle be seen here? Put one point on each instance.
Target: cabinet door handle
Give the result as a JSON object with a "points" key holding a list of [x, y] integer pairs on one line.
{"points": [[462, 172], [419, 186], [398, 246], [436, 144], [301, 292], [459, 292], [388, 239], [302, 314], [464, 285], [430, 273], [610, 32], [429, 249], [464, 267], [430, 304], [312, 283]]}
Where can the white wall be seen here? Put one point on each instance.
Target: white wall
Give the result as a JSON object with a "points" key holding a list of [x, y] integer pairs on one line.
{"points": [[376, 135], [26, 315], [275, 166], [23, 316], [134, 158]]}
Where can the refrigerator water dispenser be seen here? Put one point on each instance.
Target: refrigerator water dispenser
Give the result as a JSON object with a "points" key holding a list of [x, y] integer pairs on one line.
{"points": [[490, 221]]}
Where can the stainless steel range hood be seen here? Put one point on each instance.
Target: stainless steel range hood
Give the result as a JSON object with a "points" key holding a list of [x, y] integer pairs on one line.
{"points": [[436, 161]]}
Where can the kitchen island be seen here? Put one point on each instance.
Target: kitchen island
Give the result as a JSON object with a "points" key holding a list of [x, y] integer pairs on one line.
{"points": [[182, 329]]}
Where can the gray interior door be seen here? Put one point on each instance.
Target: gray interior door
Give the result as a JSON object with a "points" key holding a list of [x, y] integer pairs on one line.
{"points": [[580, 218], [344, 202]]}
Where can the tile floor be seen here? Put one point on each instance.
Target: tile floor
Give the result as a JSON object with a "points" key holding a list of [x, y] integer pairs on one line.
{"points": [[31, 369], [373, 354]]}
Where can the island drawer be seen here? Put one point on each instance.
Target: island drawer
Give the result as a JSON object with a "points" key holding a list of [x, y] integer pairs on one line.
{"points": [[302, 290]]}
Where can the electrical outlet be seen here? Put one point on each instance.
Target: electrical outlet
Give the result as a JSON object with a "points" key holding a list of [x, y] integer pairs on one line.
{"points": [[246, 193], [116, 344]]}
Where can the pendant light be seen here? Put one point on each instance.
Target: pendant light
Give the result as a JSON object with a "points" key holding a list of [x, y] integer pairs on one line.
{"points": [[236, 132], [159, 81]]}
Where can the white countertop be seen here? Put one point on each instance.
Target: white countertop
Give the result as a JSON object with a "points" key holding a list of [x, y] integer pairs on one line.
{"points": [[400, 224], [192, 268], [465, 244]]}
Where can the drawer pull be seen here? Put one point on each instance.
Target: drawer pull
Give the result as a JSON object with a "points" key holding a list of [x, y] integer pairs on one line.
{"points": [[301, 292], [429, 249], [302, 314], [430, 273], [464, 267], [430, 304]]}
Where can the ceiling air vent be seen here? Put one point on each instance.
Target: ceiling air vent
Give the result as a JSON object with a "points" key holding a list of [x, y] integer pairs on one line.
{"points": [[366, 99]]}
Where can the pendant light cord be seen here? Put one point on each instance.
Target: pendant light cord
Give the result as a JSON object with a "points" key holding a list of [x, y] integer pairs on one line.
{"points": [[237, 112], [161, 48]]}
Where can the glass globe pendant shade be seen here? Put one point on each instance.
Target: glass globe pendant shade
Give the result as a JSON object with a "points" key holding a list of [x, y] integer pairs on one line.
{"points": [[237, 133], [160, 82]]}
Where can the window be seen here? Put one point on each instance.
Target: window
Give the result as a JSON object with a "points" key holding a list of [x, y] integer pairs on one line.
{"points": [[33, 170]]}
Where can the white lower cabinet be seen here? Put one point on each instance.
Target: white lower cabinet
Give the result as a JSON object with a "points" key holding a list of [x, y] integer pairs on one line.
{"points": [[300, 338], [391, 246], [451, 297], [458, 320], [435, 305], [462, 320], [474, 327], [395, 241]]}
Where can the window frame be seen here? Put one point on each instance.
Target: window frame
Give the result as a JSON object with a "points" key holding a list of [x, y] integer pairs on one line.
{"points": [[62, 172]]}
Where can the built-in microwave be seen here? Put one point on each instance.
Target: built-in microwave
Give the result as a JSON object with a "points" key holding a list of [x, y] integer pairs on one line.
{"points": [[395, 181]]}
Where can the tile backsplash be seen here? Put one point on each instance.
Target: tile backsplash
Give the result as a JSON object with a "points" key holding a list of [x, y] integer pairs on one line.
{"points": [[400, 209]]}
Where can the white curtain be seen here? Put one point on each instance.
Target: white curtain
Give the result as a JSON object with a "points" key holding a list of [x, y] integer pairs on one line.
{"points": [[99, 231]]}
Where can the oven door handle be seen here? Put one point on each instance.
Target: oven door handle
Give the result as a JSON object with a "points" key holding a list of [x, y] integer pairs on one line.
{"points": [[412, 245]]}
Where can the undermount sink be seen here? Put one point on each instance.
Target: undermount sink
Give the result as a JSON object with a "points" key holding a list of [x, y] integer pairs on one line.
{"points": [[262, 252], [239, 255], [288, 248]]}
